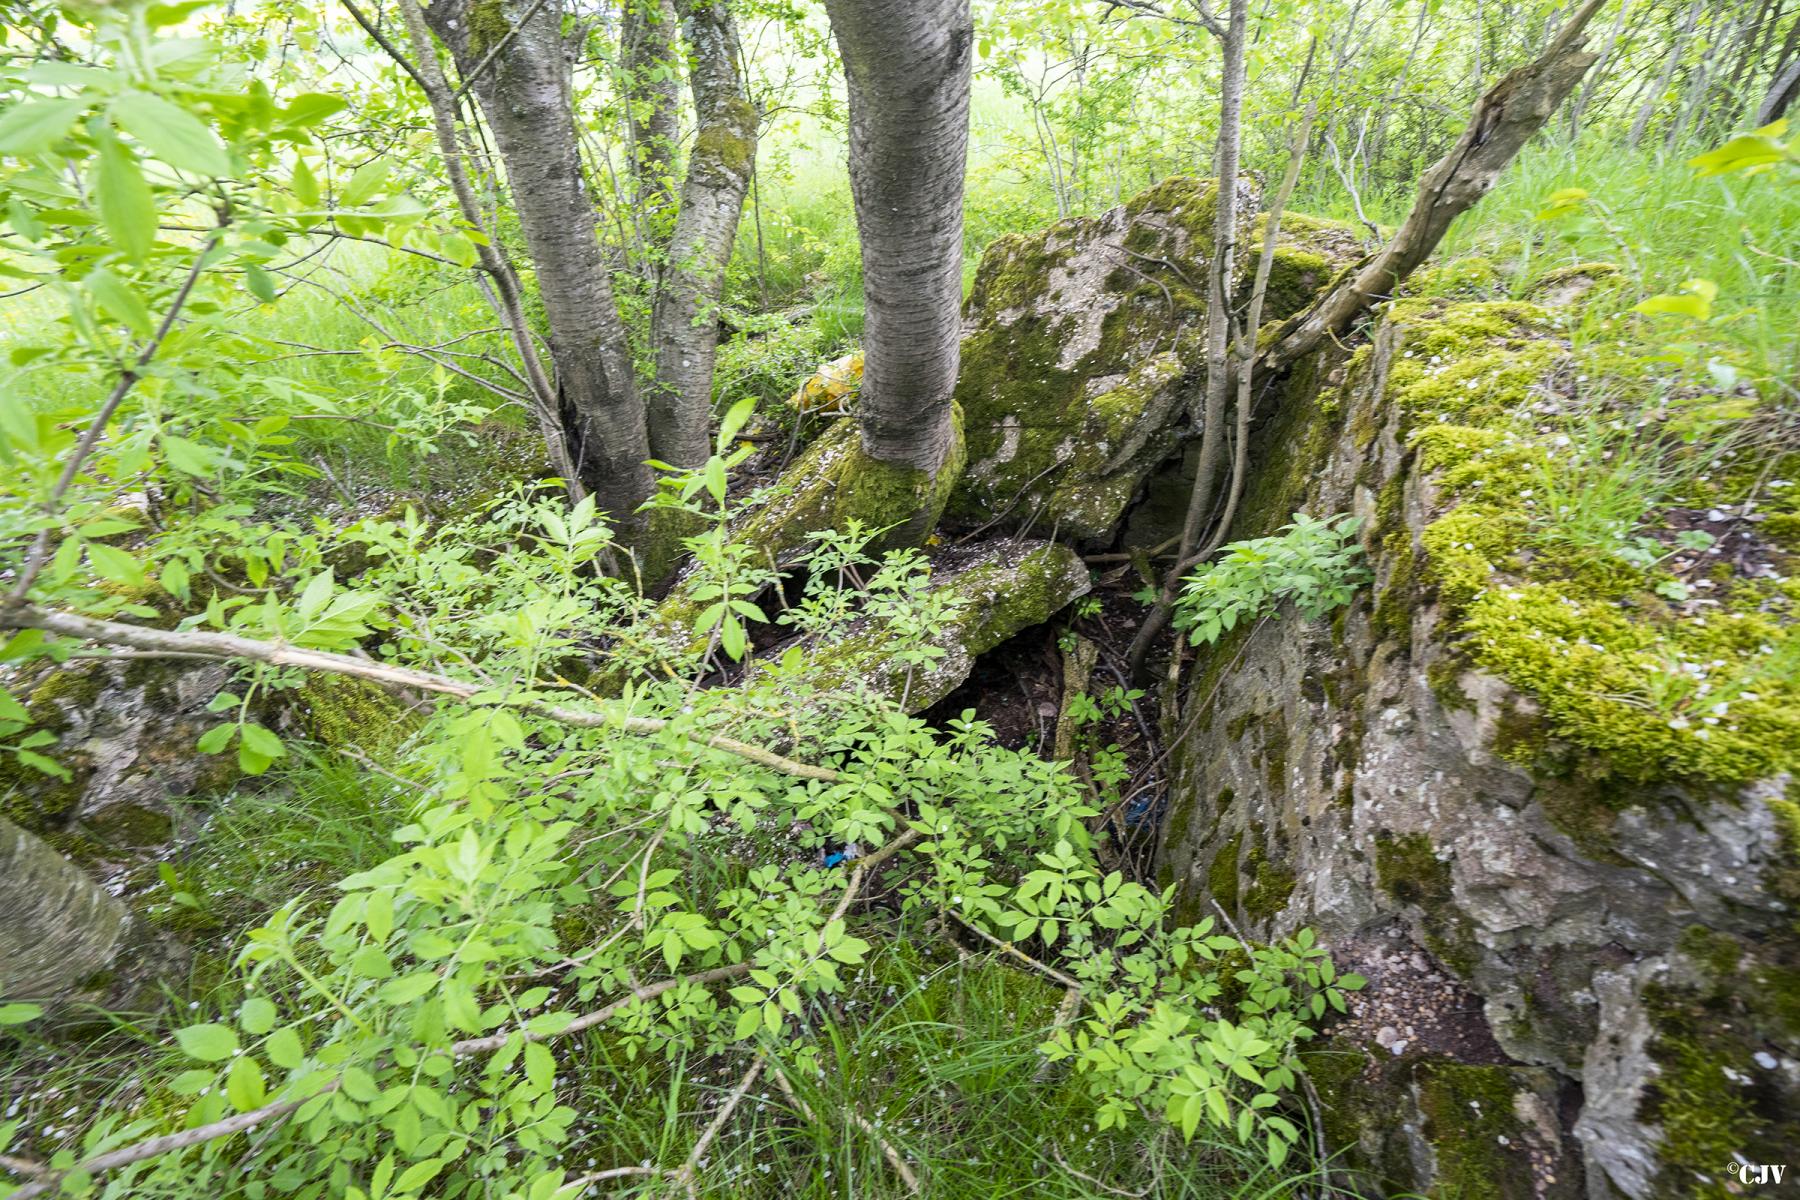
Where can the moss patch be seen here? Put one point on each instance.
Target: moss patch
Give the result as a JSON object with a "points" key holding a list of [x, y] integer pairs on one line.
{"points": [[1408, 870], [1711, 1097]]}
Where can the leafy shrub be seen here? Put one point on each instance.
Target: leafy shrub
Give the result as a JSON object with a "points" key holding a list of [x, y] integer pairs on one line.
{"points": [[1314, 564]]}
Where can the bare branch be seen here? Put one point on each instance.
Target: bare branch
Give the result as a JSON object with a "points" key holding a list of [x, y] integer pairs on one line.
{"points": [[1505, 118], [18, 615]]}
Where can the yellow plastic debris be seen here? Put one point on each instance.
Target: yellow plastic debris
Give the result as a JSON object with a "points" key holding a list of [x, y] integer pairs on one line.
{"points": [[832, 387]]}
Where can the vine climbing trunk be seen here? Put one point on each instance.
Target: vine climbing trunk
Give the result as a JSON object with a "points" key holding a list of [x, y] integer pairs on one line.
{"points": [[907, 63], [684, 326]]}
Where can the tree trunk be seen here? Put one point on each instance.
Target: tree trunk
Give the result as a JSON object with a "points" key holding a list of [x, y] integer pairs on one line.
{"points": [[907, 66], [1220, 278], [525, 98], [652, 116], [59, 930], [1676, 47], [1786, 85], [684, 326]]}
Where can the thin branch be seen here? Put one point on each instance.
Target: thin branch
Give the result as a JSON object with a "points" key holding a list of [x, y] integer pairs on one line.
{"points": [[19, 615], [169, 1143], [34, 558], [901, 1167]]}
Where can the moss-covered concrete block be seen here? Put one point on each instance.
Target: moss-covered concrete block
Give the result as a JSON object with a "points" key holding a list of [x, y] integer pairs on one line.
{"points": [[992, 591], [1083, 350]]}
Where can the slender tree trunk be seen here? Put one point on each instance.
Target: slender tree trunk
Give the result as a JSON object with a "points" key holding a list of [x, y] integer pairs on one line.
{"points": [[907, 65], [1750, 48], [1593, 80], [684, 326], [1504, 119], [1378, 139], [1218, 326], [652, 113], [525, 96], [1661, 86], [1785, 86], [1781, 95]]}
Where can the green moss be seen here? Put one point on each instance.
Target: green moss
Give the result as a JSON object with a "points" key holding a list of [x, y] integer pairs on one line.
{"points": [[1784, 530], [1275, 752], [1409, 870], [1784, 877], [1465, 278], [1710, 1098], [131, 826], [1474, 1132], [1270, 884], [1222, 876], [336, 710], [488, 23], [1445, 679], [718, 148], [1610, 666], [1392, 618]]}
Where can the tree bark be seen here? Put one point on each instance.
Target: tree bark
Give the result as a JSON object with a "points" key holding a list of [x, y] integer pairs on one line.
{"points": [[1223, 272], [525, 97], [684, 327], [907, 65], [1676, 48], [58, 928], [652, 114], [1781, 95]]}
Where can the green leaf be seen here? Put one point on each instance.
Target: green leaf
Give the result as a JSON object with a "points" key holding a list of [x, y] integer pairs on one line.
{"points": [[120, 301], [310, 108], [418, 1175], [1743, 152], [173, 134], [259, 283], [283, 1048], [115, 565], [408, 988], [127, 209], [190, 458], [305, 184], [261, 741], [18, 1013], [36, 125], [364, 183], [208, 1043], [216, 739], [245, 1086], [47, 766], [256, 1015]]}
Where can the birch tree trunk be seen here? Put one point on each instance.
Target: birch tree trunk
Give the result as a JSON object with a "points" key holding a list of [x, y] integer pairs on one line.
{"points": [[907, 65], [58, 928], [525, 96], [684, 327]]}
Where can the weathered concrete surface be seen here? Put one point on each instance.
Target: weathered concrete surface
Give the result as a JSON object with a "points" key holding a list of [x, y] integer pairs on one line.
{"points": [[1083, 352], [1577, 989]]}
